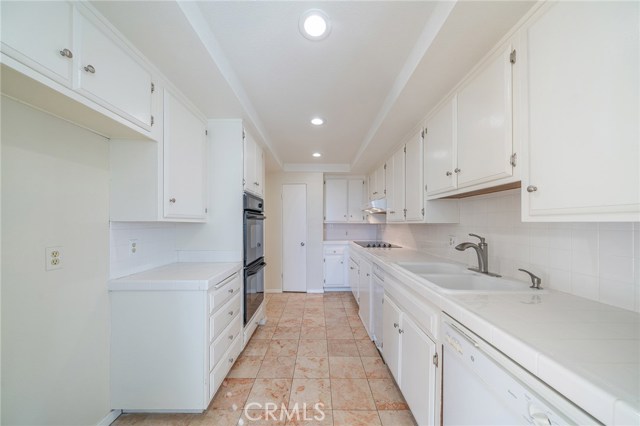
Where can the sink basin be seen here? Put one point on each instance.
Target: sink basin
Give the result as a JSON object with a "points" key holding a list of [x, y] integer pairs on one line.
{"points": [[476, 283], [434, 268]]}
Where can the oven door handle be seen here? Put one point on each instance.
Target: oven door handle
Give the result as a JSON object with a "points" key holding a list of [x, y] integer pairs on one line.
{"points": [[255, 269], [256, 216]]}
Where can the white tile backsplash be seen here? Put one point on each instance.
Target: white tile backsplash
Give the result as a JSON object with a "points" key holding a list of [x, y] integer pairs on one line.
{"points": [[598, 261], [346, 231], [155, 246]]}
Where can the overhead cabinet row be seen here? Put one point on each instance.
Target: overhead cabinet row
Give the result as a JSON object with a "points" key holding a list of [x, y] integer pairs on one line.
{"points": [[343, 198]]}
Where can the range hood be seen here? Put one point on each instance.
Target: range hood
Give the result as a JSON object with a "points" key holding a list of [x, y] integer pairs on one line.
{"points": [[376, 206]]}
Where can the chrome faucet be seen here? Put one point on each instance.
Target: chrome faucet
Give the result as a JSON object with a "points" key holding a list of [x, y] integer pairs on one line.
{"points": [[482, 250]]}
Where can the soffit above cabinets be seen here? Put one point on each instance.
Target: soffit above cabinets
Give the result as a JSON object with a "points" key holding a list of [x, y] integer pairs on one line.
{"points": [[384, 65]]}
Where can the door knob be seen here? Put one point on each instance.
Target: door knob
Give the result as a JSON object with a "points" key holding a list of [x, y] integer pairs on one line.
{"points": [[301, 244]]}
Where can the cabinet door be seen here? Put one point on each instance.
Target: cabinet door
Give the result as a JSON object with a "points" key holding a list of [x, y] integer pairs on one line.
{"points": [[417, 372], [249, 159], [354, 202], [395, 193], [440, 150], [365, 295], [584, 155], [40, 31], [484, 124], [184, 159], [372, 185], [353, 279], [111, 76], [413, 179], [335, 200], [259, 173], [381, 182], [391, 343], [334, 270]]}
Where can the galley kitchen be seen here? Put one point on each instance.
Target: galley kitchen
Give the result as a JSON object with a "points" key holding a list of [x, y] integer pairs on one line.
{"points": [[320, 212]]}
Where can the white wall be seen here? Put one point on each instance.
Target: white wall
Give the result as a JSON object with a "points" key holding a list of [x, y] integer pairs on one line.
{"points": [[273, 228], [350, 231], [55, 325], [599, 261]]}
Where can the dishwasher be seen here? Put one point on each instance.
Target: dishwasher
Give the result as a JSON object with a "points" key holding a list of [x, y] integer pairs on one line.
{"points": [[482, 386]]}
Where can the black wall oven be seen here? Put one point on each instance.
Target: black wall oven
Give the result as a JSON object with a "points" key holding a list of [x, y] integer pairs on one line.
{"points": [[253, 255]]}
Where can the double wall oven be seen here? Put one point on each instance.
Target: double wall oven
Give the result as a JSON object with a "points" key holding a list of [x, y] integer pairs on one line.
{"points": [[253, 255]]}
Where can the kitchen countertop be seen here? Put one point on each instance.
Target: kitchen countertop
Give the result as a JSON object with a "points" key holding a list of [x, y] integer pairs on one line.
{"points": [[185, 276], [588, 351]]}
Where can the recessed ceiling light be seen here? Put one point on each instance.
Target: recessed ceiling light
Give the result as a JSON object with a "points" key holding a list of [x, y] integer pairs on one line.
{"points": [[314, 24], [317, 154], [317, 121]]}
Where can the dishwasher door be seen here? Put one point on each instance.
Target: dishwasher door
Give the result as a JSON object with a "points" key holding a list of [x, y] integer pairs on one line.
{"points": [[482, 386]]}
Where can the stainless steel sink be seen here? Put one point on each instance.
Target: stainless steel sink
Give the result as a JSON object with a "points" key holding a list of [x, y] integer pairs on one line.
{"points": [[434, 268]]}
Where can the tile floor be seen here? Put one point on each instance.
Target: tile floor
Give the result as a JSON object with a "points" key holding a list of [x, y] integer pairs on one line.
{"points": [[313, 349]]}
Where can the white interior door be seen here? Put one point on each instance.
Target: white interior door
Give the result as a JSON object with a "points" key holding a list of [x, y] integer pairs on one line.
{"points": [[294, 237]]}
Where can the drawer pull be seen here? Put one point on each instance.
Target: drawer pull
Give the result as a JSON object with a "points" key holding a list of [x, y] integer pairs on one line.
{"points": [[231, 290], [225, 281], [90, 69], [231, 313], [395, 325], [66, 53], [400, 331], [231, 337], [231, 360]]}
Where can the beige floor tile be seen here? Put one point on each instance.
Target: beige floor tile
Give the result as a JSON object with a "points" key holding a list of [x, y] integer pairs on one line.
{"points": [[339, 332], [354, 321], [334, 321], [310, 392], [314, 321], [367, 348], [312, 368], [246, 367], [262, 417], [397, 418], [346, 368], [282, 347], [264, 332], [227, 417], [289, 321], [311, 310], [360, 333], [274, 391], [166, 419], [355, 418], [387, 395], [314, 418], [232, 392], [308, 332], [312, 348], [351, 394], [130, 420], [277, 367], [375, 368], [342, 347], [256, 348], [287, 332]]}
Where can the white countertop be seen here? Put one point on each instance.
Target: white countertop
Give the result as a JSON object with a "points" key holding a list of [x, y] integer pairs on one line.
{"points": [[588, 351], [186, 276]]}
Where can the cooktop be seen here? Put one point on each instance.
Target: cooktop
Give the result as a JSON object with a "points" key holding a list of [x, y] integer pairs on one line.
{"points": [[376, 244]]}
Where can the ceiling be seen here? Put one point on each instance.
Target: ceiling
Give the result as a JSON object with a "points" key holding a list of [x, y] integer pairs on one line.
{"points": [[384, 65]]}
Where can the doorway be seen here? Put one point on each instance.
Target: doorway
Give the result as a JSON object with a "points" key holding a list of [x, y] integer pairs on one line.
{"points": [[294, 237]]}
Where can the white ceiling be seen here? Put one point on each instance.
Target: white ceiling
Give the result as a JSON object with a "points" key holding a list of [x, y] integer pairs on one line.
{"points": [[384, 65]]}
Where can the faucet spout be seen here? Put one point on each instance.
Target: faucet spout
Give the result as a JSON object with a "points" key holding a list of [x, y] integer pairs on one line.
{"points": [[482, 264]]}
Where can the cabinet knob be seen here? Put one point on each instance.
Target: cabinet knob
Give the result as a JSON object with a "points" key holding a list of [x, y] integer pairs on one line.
{"points": [[449, 173], [90, 69], [230, 360], [400, 331], [396, 325], [457, 170], [230, 313], [532, 188], [172, 200], [256, 183], [231, 337], [302, 244], [231, 290], [392, 212], [66, 53]]}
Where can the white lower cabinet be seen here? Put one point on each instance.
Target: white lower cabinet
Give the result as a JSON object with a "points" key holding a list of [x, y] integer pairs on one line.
{"points": [[365, 291], [411, 356], [354, 277], [335, 265]]}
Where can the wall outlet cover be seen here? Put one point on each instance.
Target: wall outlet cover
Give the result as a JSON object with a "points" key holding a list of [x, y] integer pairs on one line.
{"points": [[53, 258]]}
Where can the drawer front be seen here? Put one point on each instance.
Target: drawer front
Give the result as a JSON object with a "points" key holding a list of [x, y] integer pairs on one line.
{"points": [[223, 291], [224, 341], [221, 318], [220, 371], [334, 250]]}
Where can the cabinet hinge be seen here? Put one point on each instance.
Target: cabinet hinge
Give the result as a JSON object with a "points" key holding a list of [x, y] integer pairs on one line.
{"points": [[244, 135], [435, 359], [512, 56], [405, 149], [385, 166], [153, 87], [422, 134], [324, 281], [422, 212], [206, 210], [206, 132], [425, 188], [325, 218], [514, 158], [152, 120], [385, 192], [243, 182]]}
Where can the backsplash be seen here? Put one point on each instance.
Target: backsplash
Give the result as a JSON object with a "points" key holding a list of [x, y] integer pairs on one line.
{"points": [[346, 231], [598, 261], [155, 246]]}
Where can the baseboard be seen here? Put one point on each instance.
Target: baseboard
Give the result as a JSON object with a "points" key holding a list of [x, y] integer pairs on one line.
{"points": [[315, 291], [273, 290], [336, 289], [110, 418]]}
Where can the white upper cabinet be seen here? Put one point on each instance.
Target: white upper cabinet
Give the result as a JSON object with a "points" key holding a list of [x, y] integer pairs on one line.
{"points": [[253, 166], [377, 183], [184, 161], [343, 199], [39, 35], [440, 157], [484, 122], [413, 179], [112, 76], [395, 189], [581, 129]]}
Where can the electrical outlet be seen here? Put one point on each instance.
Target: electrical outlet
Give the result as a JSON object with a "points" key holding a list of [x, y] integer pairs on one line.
{"points": [[53, 258], [134, 246], [452, 240]]}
